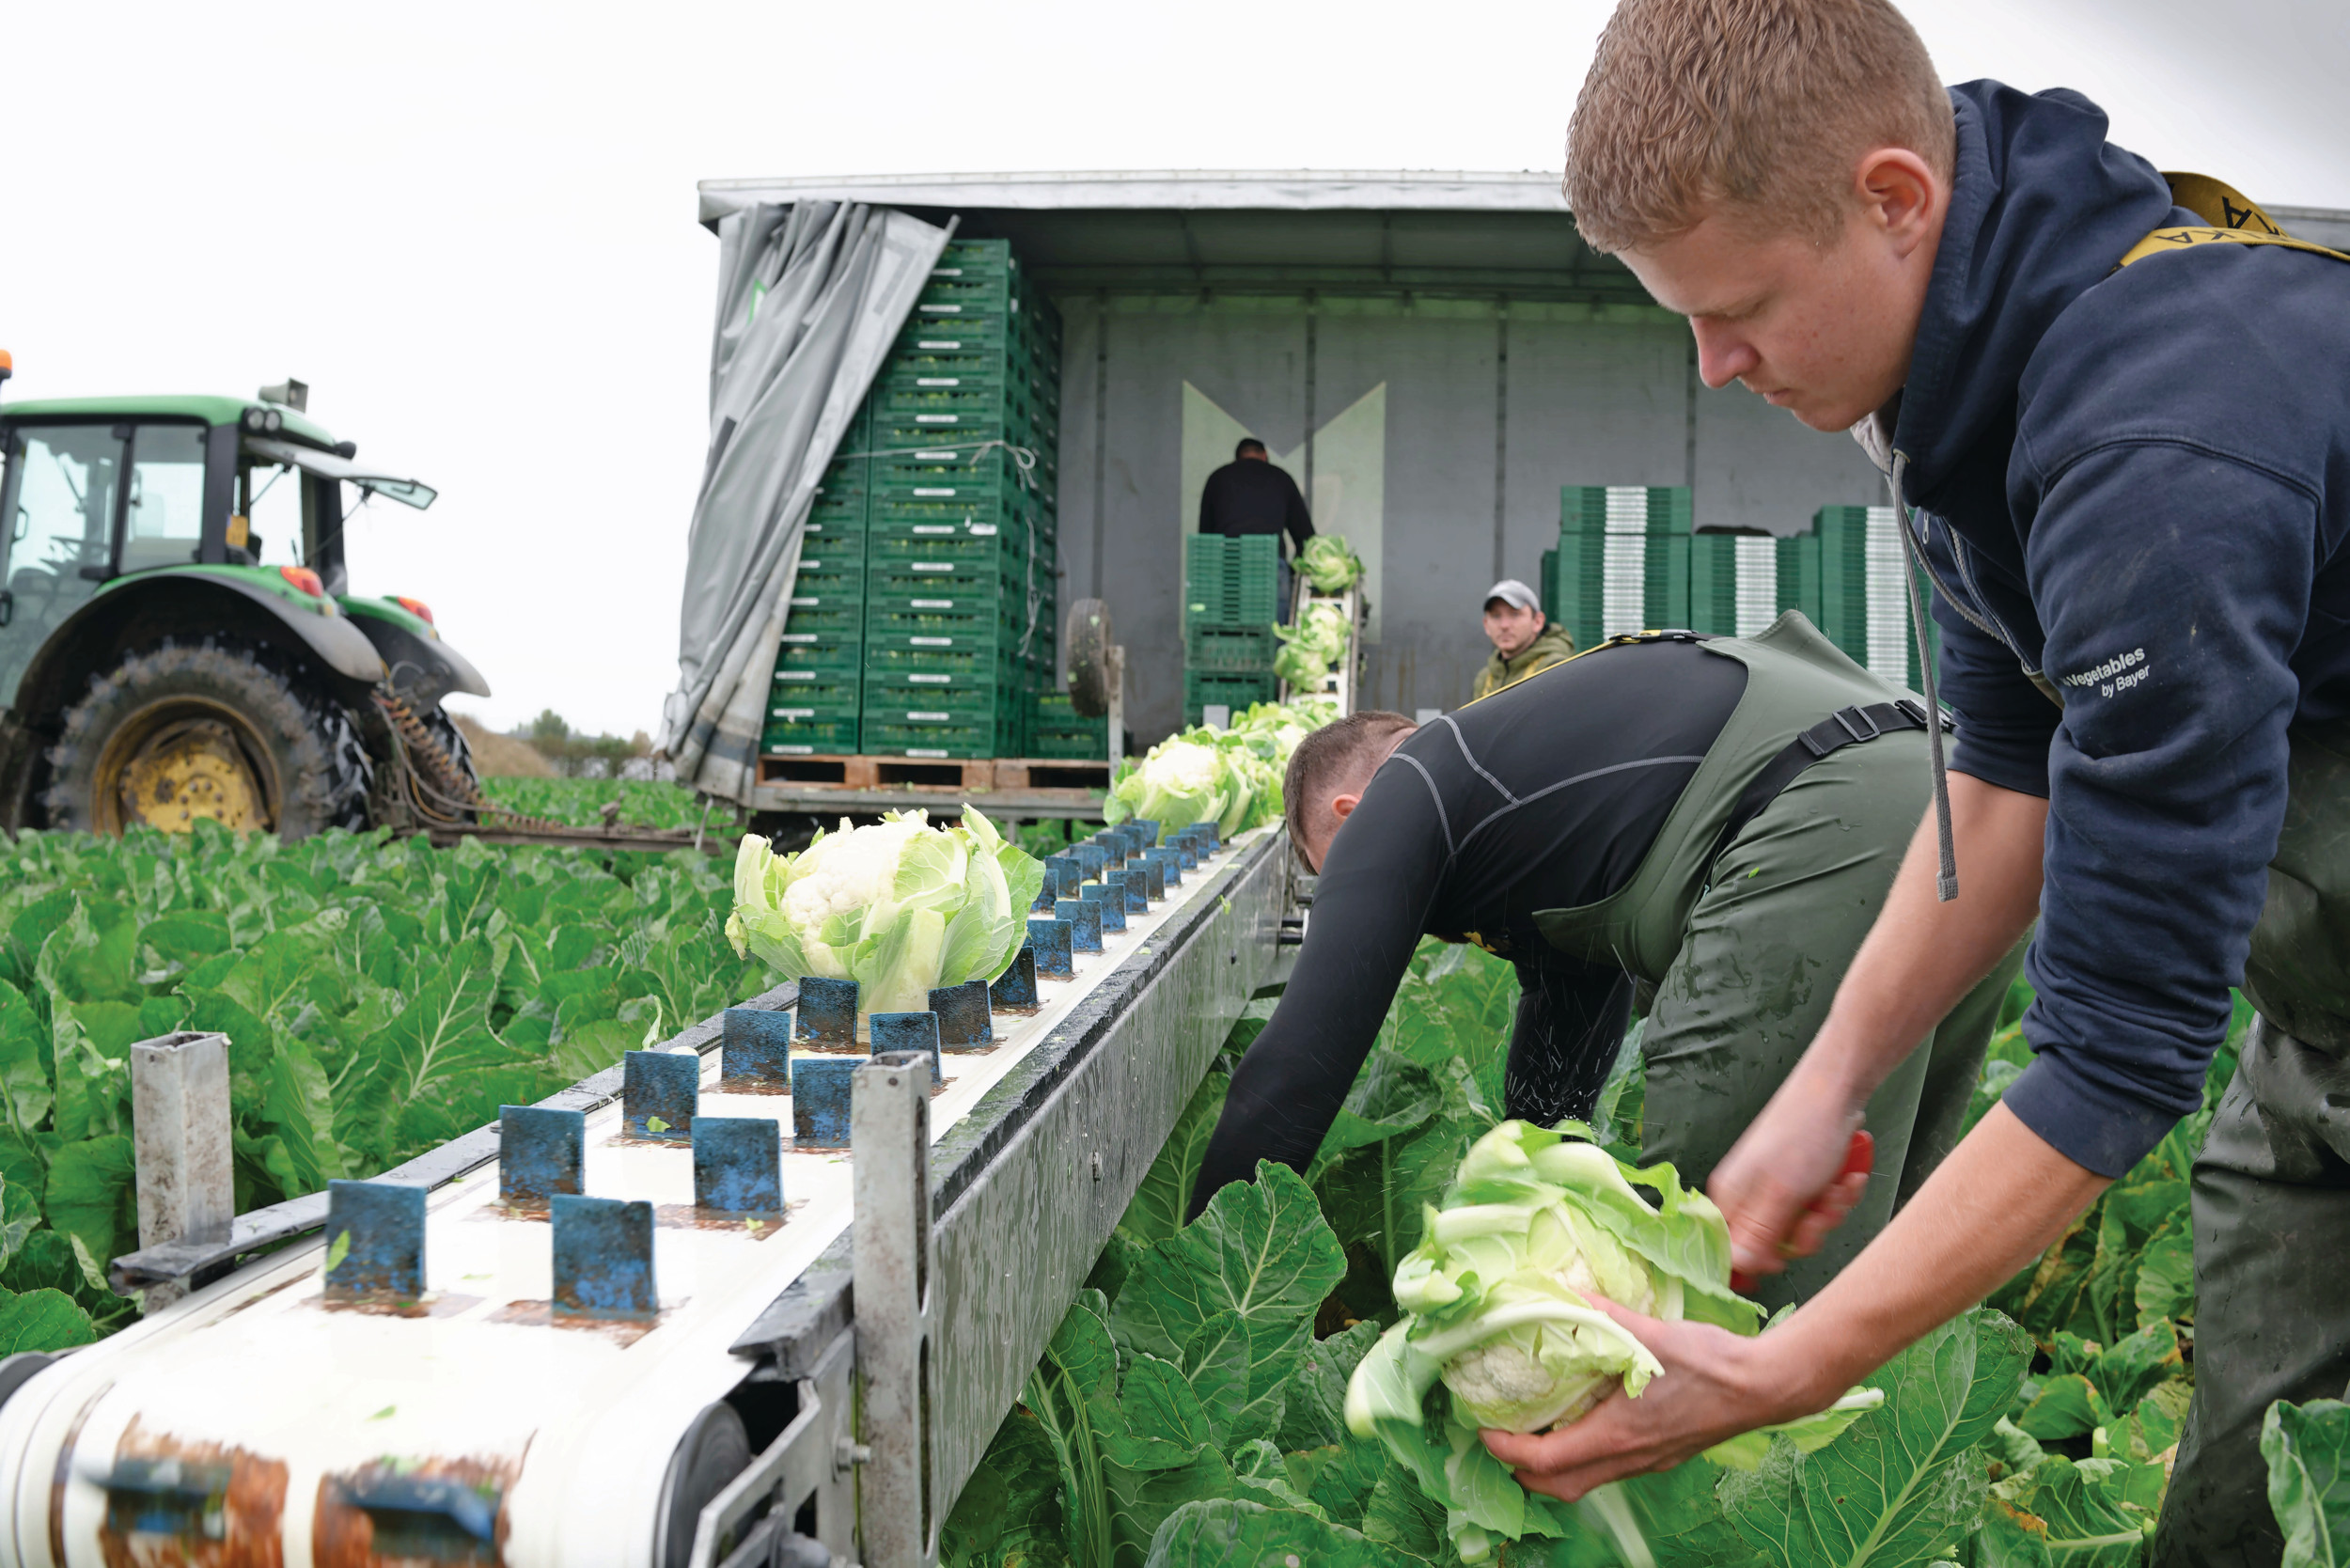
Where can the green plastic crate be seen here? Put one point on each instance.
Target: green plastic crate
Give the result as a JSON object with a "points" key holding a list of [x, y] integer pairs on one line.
{"points": [[1204, 688], [817, 689], [813, 651], [782, 711], [893, 544], [1069, 748], [846, 618], [1005, 574], [909, 432], [828, 737], [1231, 582], [964, 687], [998, 662], [1229, 648], [843, 537], [836, 572], [996, 736]]}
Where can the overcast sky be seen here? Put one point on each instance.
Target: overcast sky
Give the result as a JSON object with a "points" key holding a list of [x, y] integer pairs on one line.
{"points": [[471, 227]]}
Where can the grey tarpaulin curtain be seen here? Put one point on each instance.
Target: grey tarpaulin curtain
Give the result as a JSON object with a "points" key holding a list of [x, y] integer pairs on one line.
{"points": [[811, 297]]}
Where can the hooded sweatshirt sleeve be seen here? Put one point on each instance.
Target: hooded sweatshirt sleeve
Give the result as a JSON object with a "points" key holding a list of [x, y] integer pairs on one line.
{"points": [[2004, 721], [2172, 554]]}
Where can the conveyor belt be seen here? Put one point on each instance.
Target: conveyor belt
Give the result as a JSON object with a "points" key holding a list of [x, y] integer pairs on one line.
{"points": [[255, 1421]]}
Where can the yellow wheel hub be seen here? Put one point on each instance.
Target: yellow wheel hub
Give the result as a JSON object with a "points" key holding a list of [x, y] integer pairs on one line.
{"points": [[187, 768]]}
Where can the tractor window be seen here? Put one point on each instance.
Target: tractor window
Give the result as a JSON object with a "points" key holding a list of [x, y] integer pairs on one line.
{"points": [[59, 503], [271, 503], [164, 524]]}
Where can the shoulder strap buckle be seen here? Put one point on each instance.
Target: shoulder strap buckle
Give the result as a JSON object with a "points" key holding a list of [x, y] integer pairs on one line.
{"points": [[1851, 720]]}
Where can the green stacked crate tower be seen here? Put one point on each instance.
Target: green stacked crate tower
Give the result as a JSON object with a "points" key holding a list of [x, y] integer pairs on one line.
{"points": [[1231, 598], [1846, 575], [1627, 562], [817, 700], [1622, 562], [955, 542]]}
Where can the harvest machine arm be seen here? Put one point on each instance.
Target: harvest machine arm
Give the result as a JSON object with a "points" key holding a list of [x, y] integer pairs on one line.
{"points": [[714, 1425]]}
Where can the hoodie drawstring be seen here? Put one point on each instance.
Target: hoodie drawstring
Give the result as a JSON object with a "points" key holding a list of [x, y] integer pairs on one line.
{"points": [[1945, 889]]}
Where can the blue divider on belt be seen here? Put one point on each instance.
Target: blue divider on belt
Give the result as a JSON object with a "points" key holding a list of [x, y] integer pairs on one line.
{"points": [[1067, 872], [1166, 867], [1092, 857], [1113, 846], [738, 1165], [1050, 941], [1109, 902], [908, 1031], [1148, 827], [756, 1044], [541, 1152], [1186, 850], [1049, 889], [378, 1227], [603, 1258], [962, 1016], [819, 1101], [828, 1011], [1135, 879], [657, 1086], [1084, 924], [1016, 987]]}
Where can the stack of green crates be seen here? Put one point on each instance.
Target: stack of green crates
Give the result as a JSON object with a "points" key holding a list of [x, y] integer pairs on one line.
{"points": [[961, 545], [818, 694], [1231, 598], [946, 620], [1056, 730], [1622, 562], [1626, 561]]}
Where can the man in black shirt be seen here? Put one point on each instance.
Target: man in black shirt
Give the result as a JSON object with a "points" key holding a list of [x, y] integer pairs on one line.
{"points": [[1711, 820], [1249, 495]]}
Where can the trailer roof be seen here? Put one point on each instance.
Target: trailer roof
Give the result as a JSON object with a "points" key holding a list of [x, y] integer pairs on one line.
{"points": [[1279, 190], [1431, 230], [1233, 228]]}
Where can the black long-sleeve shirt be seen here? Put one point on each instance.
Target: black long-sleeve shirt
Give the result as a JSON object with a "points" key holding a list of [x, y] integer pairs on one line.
{"points": [[1248, 495], [1546, 795]]}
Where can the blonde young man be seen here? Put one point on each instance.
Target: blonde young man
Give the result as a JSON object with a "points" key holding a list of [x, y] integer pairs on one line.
{"points": [[2132, 486]]}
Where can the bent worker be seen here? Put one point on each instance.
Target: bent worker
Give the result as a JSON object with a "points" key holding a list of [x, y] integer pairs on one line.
{"points": [[1715, 818], [1523, 639], [1251, 496], [2124, 432]]}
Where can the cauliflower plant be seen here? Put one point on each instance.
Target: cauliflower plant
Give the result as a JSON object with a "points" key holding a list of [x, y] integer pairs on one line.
{"points": [[900, 906]]}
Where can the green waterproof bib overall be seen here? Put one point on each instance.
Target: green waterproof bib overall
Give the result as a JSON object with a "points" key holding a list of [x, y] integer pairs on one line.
{"points": [[1744, 949]]}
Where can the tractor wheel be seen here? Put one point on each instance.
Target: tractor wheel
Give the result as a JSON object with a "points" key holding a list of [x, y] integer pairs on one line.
{"points": [[214, 731]]}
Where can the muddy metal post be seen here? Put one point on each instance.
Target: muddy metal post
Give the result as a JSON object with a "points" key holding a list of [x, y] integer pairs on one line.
{"points": [[180, 1140], [889, 1123]]}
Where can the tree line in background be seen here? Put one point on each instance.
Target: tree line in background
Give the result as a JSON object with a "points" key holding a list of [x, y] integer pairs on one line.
{"points": [[549, 748]]}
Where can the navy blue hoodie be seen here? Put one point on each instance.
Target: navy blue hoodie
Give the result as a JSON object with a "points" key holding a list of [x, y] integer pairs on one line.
{"points": [[2136, 486]]}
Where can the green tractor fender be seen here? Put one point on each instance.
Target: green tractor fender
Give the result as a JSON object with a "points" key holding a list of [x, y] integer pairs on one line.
{"points": [[187, 604], [420, 665]]}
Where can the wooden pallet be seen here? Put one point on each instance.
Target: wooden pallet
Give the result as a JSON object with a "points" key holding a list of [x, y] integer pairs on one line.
{"points": [[1007, 789]]}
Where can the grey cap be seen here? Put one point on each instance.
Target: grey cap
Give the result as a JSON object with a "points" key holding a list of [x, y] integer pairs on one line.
{"points": [[1511, 591]]}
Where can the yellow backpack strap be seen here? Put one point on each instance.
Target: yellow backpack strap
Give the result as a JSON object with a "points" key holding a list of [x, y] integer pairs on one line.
{"points": [[2230, 217]]}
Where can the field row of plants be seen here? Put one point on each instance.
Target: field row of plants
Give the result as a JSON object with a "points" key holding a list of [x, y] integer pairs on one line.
{"points": [[379, 998], [1189, 1408]]}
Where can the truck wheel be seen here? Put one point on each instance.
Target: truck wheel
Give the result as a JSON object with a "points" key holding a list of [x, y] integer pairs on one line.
{"points": [[178, 733]]}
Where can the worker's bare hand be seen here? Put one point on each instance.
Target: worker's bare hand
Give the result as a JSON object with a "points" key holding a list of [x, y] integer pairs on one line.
{"points": [[1715, 1386], [1793, 1176]]}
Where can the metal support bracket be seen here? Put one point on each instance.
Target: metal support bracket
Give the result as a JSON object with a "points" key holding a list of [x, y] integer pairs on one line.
{"points": [[895, 1253], [806, 1479]]}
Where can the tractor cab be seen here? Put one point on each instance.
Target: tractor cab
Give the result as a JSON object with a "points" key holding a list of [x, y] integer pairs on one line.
{"points": [[139, 524]]}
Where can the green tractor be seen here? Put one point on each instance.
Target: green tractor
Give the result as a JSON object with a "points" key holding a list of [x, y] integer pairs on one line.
{"points": [[162, 662]]}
